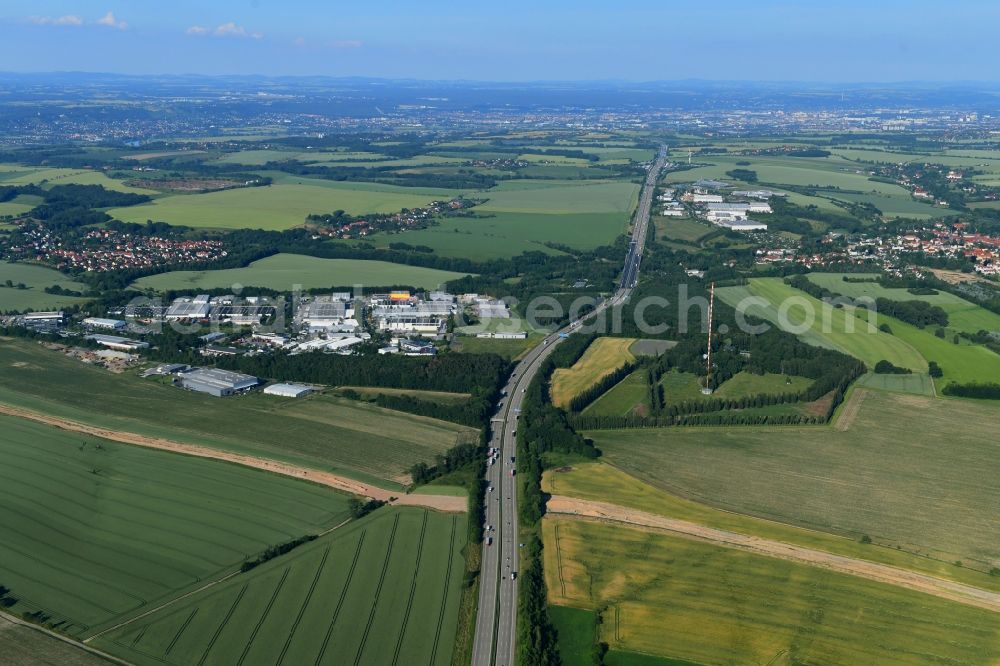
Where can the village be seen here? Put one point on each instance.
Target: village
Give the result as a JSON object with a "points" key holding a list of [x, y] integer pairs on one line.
{"points": [[103, 250]]}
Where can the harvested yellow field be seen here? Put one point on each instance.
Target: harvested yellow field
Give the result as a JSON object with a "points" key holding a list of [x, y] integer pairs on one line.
{"points": [[603, 356], [676, 598]]}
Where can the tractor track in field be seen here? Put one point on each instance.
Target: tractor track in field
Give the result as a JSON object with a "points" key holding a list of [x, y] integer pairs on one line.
{"points": [[438, 502], [851, 409], [569, 507]]}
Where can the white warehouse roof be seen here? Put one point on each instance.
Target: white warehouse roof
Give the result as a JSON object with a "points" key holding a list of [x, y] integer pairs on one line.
{"points": [[288, 390]]}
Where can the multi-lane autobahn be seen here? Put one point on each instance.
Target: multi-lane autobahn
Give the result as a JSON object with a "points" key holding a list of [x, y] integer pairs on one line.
{"points": [[496, 622]]}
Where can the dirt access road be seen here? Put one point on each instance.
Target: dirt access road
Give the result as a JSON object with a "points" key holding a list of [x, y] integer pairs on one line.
{"points": [[438, 502], [882, 573]]}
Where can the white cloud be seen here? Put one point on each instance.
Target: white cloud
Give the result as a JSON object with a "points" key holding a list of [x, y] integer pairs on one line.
{"points": [[232, 30], [348, 44], [110, 21], [196, 30], [68, 19]]}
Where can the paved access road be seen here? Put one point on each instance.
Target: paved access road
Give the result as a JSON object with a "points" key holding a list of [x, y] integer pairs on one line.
{"points": [[496, 622]]}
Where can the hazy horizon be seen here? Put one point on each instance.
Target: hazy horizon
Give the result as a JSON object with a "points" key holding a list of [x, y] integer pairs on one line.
{"points": [[769, 41]]}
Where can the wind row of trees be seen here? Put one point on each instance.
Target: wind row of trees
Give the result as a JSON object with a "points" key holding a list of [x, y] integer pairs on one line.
{"points": [[544, 428]]}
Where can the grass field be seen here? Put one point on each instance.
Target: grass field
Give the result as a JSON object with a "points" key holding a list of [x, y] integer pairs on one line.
{"points": [[919, 383], [46, 177], [603, 356], [562, 197], [629, 396], [36, 278], [906, 346], [963, 315], [319, 431], [429, 396], [681, 229], [261, 157], [282, 205], [830, 327], [506, 234], [383, 590], [684, 599], [509, 349], [25, 646], [94, 529], [576, 629], [603, 483], [911, 471], [20, 205], [746, 383], [284, 271]]}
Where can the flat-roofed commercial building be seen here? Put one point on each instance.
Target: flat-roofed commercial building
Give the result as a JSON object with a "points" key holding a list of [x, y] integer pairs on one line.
{"points": [[216, 382]]}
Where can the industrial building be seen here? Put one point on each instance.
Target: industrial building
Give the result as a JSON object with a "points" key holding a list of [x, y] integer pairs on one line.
{"points": [[742, 225], [44, 316], [117, 342], [216, 382], [198, 307], [751, 207], [108, 324], [288, 390]]}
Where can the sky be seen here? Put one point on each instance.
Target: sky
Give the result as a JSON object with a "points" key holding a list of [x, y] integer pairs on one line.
{"points": [[512, 40]]}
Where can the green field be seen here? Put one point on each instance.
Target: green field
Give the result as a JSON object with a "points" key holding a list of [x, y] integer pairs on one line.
{"points": [[509, 349], [576, 629], [747, 383], [681, 229], [553, 198], [526, 214], [282, 205], [46, 177], [911, 471], [629, 396], [603, 356], [831, 327], [19, 205], [284, 271], [383, 590], [261, 157], [918, 382], [94, 530], [847, 329], [323, 432], [963, 315], [669, 596], [35, 278], [506, 234]]}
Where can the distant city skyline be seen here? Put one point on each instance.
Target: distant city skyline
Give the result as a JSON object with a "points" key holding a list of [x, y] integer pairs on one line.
{"points": [[770, 40]]}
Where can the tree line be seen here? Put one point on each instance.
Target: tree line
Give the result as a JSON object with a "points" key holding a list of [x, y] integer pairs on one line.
{"points": [[544, 428]]}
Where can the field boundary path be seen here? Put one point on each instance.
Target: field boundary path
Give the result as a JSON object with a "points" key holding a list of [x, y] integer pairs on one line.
{"points": [[850, 411], [336, 481], [13, 619], [559, 505]]}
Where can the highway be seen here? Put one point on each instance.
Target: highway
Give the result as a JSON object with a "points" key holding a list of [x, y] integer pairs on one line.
{"points": [[496, 621]]}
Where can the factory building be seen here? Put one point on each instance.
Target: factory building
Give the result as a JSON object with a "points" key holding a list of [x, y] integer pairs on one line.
{"points": [[216, 382], [116, 342], [743, 225], [198, 307], [288, 390], [108, 324]]}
